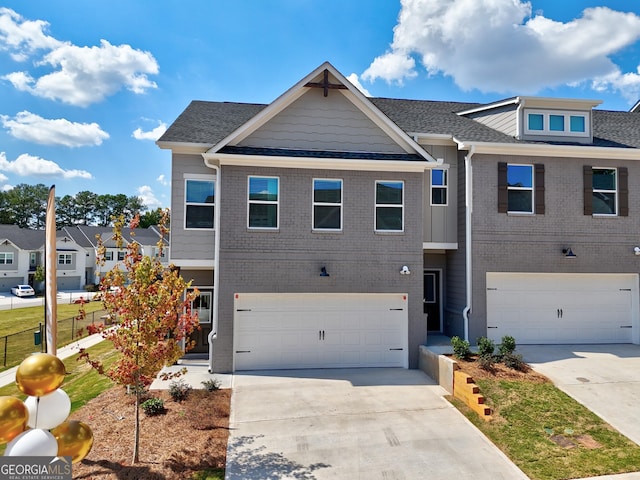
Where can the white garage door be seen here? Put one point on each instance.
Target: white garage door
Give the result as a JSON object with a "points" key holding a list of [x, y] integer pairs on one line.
{"points": [[539, 308], [318, 330]]}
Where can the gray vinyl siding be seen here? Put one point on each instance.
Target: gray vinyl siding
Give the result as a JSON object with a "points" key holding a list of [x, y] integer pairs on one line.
{"points": [[455, 282], [188, 244], [289, 259], [503, 119], [534, 243], [12, 266], [440, 223], [315, 122]]}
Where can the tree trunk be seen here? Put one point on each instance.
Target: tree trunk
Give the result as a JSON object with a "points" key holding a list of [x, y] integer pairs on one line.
{"points": [[136, 438]]}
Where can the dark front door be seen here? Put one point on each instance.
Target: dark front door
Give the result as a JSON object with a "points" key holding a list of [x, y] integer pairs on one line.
{"points": [[431, 300], [204, 306]]}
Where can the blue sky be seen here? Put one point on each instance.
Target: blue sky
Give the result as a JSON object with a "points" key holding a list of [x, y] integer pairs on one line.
{"points": [[87, 87]]}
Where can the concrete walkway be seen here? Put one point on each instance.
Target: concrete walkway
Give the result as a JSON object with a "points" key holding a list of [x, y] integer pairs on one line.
{"points": [[354, 423]]}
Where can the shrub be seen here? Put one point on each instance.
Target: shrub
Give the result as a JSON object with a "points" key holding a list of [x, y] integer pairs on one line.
{"points": [[514, 361], [153, 406], [461, 348], [179, 390], [486, 347], [211, 385], [507, 347]]}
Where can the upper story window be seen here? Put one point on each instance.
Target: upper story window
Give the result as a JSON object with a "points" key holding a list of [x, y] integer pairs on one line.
{"points": [[606, 191], [108, 255], [557, 123], [439, 187], [389, 206], [121, 255], [327, 204], [6, 258], [199, 203], [65, 259], [520, 188], [33, 259], [264, 201]]}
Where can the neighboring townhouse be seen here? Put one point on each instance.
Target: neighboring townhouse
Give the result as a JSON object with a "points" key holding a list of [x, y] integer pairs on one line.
{"points": [[329, 229], [22, 251], [87, 237]]}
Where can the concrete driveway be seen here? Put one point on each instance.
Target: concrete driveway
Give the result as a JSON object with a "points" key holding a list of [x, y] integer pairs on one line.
{"points": [[354, 423], [604, 378]]}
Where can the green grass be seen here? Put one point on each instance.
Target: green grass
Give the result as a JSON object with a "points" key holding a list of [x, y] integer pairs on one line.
{"points": [[212, 474], [527, 415], [17, 329]]}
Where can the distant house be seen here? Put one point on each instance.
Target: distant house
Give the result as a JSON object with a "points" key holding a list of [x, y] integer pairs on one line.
{"points": [[87, 237], [329, 229], [22, 251]]}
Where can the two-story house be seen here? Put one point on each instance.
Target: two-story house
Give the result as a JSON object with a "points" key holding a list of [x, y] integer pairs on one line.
{"points": [[87, 237], [329, 229], [22, 251]]}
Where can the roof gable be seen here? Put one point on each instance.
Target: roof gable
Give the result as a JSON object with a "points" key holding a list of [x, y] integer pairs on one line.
{"points": [[323, 112]]}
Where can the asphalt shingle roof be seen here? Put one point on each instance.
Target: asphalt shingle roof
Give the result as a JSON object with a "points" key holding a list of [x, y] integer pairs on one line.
{"points": [[210, 122]]}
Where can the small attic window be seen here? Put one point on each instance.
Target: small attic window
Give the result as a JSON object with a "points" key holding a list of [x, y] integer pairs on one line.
{"points": [[556, 123]]}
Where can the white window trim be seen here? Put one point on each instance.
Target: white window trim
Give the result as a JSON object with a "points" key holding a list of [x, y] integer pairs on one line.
{"points": [[7, 256], [601, 190], [202, 178], [531, 189], [394, 205], [326, 204], [65, 256], [567, 123], [263, 202], [444, 187]]}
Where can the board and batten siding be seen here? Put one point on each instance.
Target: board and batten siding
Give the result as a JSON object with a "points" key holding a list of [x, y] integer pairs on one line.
{"points": [[315, 122], [188, 244], [440, 224]]}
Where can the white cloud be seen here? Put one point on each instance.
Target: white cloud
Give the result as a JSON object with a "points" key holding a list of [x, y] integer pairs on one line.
{"points": [[29, 165], [148, 198], [353, 78], [154, 134], [498, 46], [33, 128], [162, 180], [22, 37], [82, 75]]}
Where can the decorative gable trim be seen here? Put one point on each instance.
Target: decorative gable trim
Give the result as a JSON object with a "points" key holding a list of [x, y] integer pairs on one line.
{"points": [[345, 88]]}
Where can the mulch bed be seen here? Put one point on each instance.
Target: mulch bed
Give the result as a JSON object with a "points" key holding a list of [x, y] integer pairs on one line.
{"points": [[190, 436]]}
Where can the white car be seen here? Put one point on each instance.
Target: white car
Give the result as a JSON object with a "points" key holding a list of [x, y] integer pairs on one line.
{"points": [[22, 291]]}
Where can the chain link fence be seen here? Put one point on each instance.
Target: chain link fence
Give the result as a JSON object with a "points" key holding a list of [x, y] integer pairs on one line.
{"points": [[18, 345]]}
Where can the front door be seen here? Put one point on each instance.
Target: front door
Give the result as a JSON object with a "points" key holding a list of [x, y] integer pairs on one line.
{"points": [[202, 305], [431, 300]]}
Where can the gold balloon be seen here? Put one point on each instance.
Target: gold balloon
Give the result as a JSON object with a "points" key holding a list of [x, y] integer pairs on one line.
{"points": [[40, 374], [13, 418], [74, 438]]}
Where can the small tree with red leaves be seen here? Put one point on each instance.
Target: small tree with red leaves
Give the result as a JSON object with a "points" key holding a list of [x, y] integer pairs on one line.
{"points": [[152, 305]]}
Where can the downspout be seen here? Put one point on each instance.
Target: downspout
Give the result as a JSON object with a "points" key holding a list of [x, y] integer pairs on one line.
{"points": [[216, 263], [468, 178]]}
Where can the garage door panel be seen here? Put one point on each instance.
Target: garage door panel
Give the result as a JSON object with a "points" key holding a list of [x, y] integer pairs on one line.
{"points": [[561, 308], [320, 330]]}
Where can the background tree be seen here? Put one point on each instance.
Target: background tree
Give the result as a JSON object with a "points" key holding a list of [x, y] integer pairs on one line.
{"points": [[152, 217], [26, 205], [153, 308], [85, 209]]}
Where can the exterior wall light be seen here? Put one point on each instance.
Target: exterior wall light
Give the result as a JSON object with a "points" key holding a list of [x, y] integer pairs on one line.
{"points": [[405, 270], [636, 250], [568, 253], [323, 272]]}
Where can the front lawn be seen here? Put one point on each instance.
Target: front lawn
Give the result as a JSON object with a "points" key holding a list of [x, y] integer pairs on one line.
{"points": [[546, 433]]}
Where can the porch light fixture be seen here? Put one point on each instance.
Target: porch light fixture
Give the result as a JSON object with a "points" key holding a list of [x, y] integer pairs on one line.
{"points": [[323, 272], [636, 250], [405, 270], [568, 253]]}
